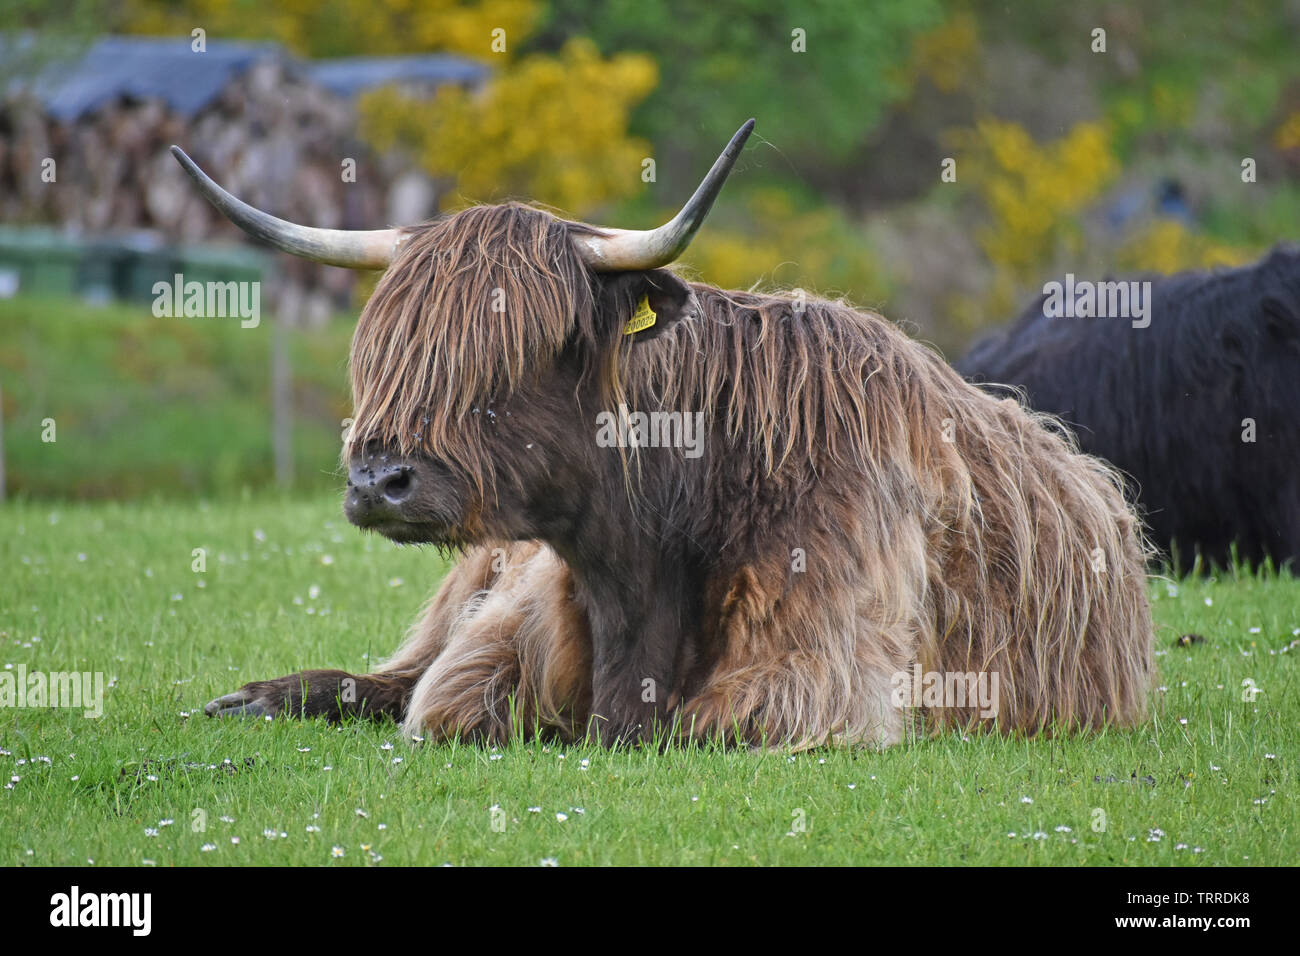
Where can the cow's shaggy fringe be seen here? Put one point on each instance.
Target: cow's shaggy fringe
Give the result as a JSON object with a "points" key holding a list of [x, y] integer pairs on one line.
{"points": [[938, 526], [474, 304]]}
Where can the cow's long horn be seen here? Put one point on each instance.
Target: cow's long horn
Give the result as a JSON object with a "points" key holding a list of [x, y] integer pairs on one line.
{"points": [[372, 249], [626, 250]]}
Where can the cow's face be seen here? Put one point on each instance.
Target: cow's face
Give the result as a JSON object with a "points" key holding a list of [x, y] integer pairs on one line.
{"points": [[490, 343], [478, 367]]}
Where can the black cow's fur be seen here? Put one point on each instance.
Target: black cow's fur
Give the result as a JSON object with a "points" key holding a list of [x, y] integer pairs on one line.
{"points": [[1168, 403]]}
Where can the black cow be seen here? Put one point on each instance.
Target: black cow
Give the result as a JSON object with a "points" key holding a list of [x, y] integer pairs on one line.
{"points": [[1197, 400]]}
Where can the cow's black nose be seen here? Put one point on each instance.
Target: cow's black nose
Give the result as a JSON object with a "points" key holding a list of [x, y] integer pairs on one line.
{"points": [[390, 481], [378, 486], [397, 484]]}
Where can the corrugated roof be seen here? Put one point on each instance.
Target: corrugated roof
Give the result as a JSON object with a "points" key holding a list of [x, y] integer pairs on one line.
{"points": [[167, 68], [350, 75]]}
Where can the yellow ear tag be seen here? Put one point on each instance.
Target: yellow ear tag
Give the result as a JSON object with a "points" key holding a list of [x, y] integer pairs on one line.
{"points": [[643, 319]]}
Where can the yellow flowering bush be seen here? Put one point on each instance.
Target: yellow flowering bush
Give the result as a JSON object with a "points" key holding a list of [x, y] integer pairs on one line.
{"points": [[1034, 193], [1167, 246], [551, 129], [1287, 135], [946, 55]]}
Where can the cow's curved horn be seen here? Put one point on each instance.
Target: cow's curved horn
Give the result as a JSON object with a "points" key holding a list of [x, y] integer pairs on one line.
{"points": [[626, 250], [372, 249]]}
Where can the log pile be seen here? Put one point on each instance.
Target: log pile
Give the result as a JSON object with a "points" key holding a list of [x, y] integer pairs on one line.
{"points": [[272, 136]]}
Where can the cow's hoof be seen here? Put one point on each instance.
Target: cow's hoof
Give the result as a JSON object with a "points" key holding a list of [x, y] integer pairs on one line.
{"points": [[305, 694], [238, 704]]}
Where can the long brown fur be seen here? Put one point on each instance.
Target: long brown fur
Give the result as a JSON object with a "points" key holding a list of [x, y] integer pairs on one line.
{"points": [[476, 303], [938, 526]]}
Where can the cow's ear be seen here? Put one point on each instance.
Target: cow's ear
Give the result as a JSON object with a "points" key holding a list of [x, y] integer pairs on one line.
{"points": [[646, 304]]}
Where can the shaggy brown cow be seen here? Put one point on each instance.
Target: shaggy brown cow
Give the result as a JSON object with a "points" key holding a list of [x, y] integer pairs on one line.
{"points": [[853, 520]]}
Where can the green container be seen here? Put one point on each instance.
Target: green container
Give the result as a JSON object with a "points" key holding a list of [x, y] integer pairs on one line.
{"points": [[220, 264], [99, 278], [144, 261], [38, 262], [42, 261], [233, 269]]}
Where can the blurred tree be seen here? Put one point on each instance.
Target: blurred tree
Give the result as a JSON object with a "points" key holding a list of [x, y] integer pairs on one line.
{"points": [[948, 55], [35, 33], [724, 61], [324, 28]]}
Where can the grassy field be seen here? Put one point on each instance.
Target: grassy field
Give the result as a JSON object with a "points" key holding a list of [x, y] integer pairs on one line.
{"points": [[1208, 781], [144, 404]]}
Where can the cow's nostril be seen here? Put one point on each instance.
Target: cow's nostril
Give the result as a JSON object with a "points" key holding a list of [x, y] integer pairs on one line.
{"points": [[398, 486]]}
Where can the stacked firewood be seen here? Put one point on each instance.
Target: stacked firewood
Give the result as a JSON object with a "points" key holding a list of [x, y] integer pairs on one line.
{"points": [[272, 137]]}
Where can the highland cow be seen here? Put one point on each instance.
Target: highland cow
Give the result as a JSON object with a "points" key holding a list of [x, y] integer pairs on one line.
{"points": [[856, 513], [1195, 402]]}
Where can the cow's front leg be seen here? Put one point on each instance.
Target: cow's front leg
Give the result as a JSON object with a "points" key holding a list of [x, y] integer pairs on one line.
{"points": [[635, 676], [626, 709], [323, 693]]}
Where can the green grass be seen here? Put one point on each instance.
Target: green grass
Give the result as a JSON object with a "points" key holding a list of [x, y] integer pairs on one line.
{"points": [[145, 405], [109, 587]]}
